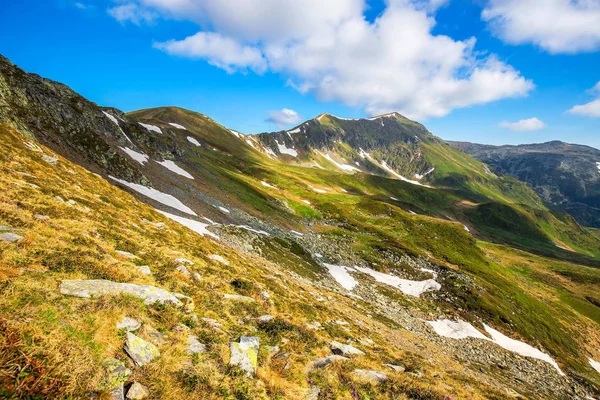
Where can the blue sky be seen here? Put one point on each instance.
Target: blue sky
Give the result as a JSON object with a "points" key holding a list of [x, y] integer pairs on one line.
{"points": [[457, 66]]}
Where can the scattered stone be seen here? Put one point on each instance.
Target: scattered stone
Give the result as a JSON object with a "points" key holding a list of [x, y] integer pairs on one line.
{"points": [[137, 391], [183, 270], [212, 323], [265, 295], [117, 373], [341, 323], [144, 269], [369, 375], [129, 324], [5, 228], [313, 394], [219, 258], [344, 349], [71, 202], [49, 159], [59, 199], [244, 353], [197, 276], [180, 328], [154, 335], [238, 297], [41, 217], [194, 346], [10, 237], [99, 287], [397, 368], [323, 362], [117, 393], [125, 254], [313, 325], [183, 261], [281, 355], [139, 350], [265, 318], [272, 349], [188, 302]]}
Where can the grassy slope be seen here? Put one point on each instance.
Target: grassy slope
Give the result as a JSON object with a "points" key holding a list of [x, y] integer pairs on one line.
{"points": [[56, 344], [376, 223]]}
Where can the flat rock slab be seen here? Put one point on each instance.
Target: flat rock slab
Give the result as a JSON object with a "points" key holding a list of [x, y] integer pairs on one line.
{"points": [[323, 362], [369, 375], [140, 351], [194, 346], [100, 287], [129, 324], [126, 254], [244, 353], [144, 269], [344, 349], [10, 237], [397, 368], [238, 297]]}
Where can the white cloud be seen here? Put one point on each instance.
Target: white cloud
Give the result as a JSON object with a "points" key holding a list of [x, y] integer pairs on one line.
{"points": [[220, 51], [524, 125], [328, 48], [557, 26], [284, 117], [133, 13], [591, 109]]}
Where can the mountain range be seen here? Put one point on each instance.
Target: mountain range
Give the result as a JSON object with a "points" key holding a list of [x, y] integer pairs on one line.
{"points": [[565, 176], [159, 252]]}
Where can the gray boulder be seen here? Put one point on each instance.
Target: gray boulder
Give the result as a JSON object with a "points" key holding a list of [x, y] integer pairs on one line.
{"points": [[194, 346], [325, 361], [144, 269], [100, 287], [244, 354], [129, 324], [372, 376], [140, 351], [344, 349], [10, 237]]}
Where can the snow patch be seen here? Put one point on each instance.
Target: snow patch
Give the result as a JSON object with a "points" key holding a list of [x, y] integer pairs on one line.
{"points": [[250, 143], [224, 210], [406, 286], [397, 175], [343, 167], [171, 166], [462, 330], [318, 190], [598, 165], [456, 329], [306, 202], [466, 228], [594, 364], [249, 228], [268, 185], [341, 275], [113, 119], [419, 177], [173, 124], [296, 130], [297, 233], [236, 133], [520, 348], [285, 150], [193, 141], [156, 195], [151, 127], [139, 157], [195, 226]]}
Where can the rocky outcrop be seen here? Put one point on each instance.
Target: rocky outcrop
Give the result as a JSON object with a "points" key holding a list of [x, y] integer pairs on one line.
{"points": [[99, 287], [244, 354]]}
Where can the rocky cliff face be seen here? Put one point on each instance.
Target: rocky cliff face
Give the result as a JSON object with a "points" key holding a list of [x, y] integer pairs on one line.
{"points": [[565, 176]]}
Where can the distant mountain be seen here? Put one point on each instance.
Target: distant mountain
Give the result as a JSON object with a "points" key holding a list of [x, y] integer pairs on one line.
{"points": [[566, 176]]}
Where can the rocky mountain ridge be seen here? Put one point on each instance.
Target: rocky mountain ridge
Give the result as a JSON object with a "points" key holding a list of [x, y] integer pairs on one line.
{"points": [[566, 176]]}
